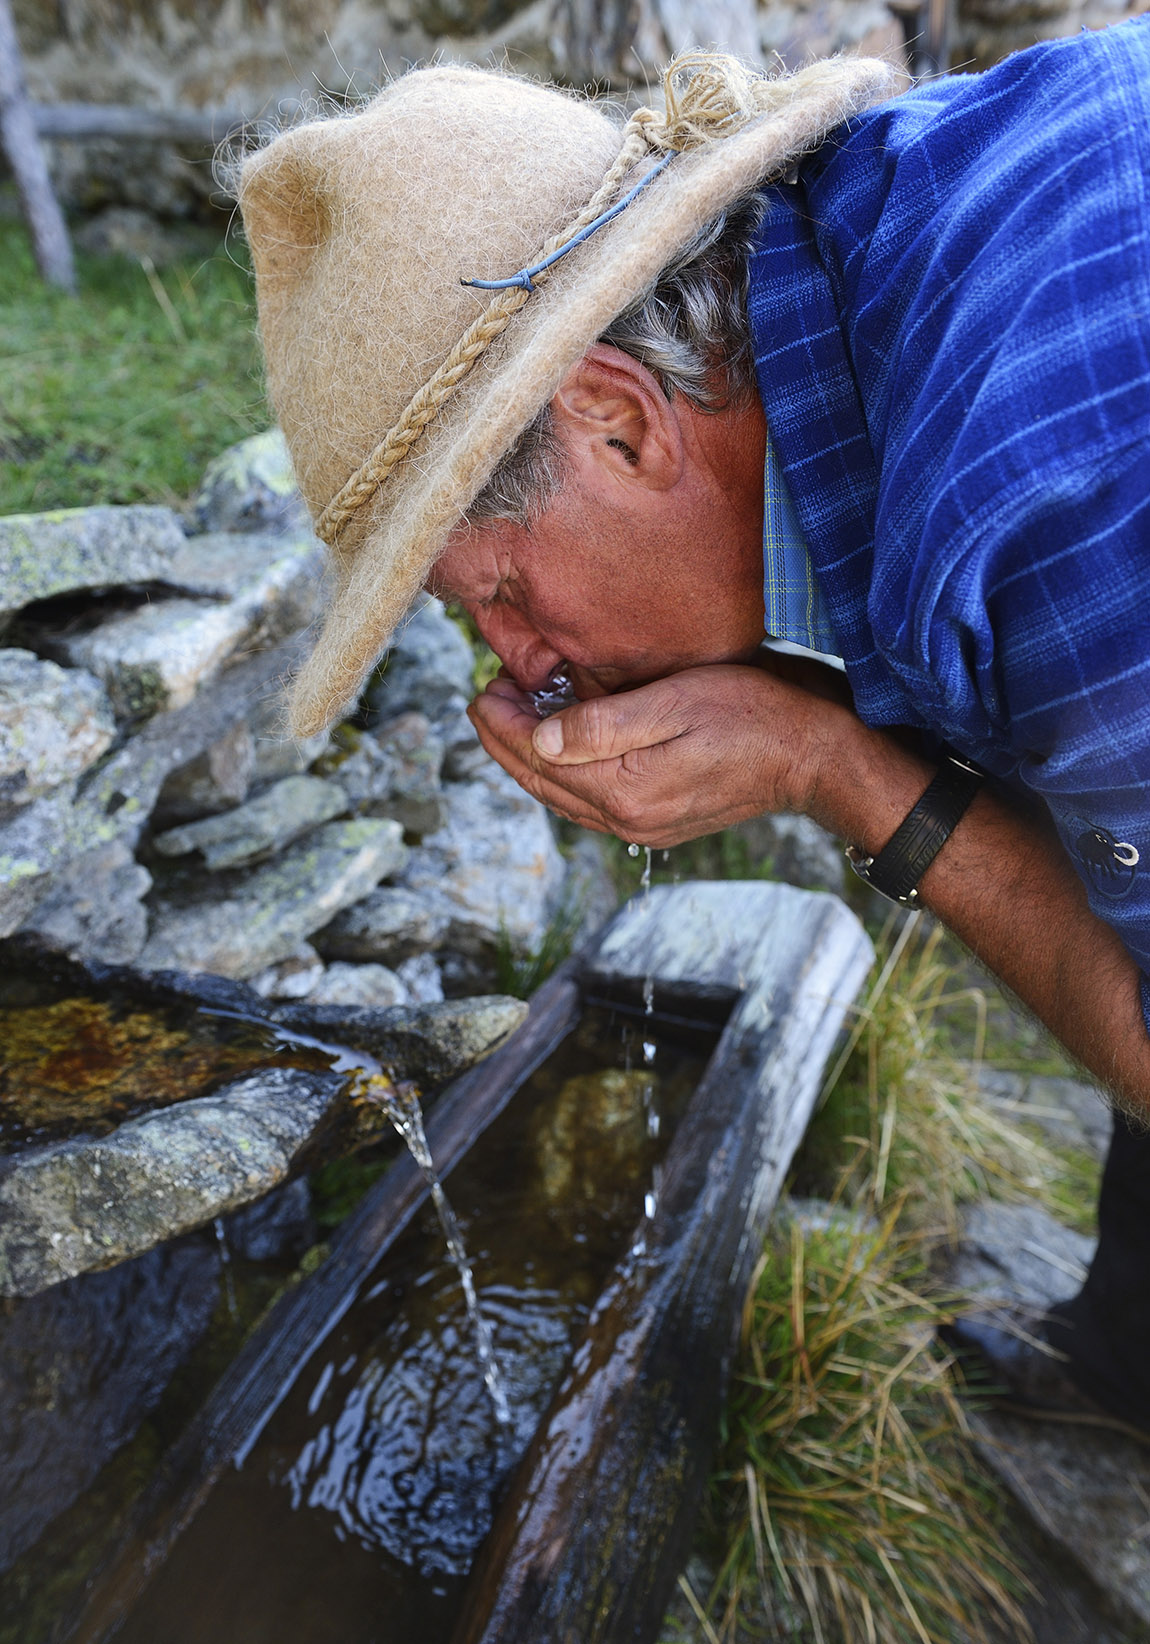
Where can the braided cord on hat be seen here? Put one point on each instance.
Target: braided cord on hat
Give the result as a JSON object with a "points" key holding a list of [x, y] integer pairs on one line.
{"points": [[720, 96]]}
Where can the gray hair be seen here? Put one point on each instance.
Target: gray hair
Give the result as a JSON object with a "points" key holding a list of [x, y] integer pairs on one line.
{"points": [[690, 329]]}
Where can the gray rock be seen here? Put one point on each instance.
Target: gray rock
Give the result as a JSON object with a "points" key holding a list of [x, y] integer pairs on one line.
{"points": [[795, 850], [214, 781], [430, 1043], [159, 655], [494, 870], [227, 565], [114, 800], [390, 925], [250, 487], [274, 1228], [1071, 1114], [1018, 1252], [589, 891], [464, 756], [249, 919], [1086, 1489], [422, 978], [430, 663], [77, 548], [396, 773], [83, 1205], [95, 908], [290, 978], [283, 812], [53, 725], [373, 986], [81, 1366]]}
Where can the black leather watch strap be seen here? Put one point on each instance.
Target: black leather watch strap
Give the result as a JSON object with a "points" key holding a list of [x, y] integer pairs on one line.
{"points": [[900, 865]]}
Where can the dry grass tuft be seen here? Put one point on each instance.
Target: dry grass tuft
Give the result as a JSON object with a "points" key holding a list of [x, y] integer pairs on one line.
{"points": [[850, 1504]]}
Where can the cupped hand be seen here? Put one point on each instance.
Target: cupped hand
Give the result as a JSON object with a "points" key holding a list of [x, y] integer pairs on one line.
{"points": [[671, 760]]}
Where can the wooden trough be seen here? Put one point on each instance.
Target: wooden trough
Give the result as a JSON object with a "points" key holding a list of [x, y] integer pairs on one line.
{"points": [[596, 1522]]}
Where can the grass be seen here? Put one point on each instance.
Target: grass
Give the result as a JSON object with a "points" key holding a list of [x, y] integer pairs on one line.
{"points": [[124, 392], [849, 1504]]}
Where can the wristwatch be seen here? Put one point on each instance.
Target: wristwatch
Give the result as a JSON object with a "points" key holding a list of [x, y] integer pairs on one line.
{"points": [[897, 869]]}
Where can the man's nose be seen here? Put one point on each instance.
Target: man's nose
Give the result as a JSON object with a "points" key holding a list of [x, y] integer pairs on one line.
{"points": [[530, 661]]}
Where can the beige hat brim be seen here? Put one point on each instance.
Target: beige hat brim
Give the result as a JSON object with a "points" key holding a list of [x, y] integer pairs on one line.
{"points": [[392, 544]]}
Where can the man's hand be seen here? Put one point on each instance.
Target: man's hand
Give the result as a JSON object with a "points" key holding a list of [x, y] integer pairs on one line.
{"points": [[668, 761]]}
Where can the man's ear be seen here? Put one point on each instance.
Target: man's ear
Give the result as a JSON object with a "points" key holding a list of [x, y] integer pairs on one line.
{"points": [[612, 415]]}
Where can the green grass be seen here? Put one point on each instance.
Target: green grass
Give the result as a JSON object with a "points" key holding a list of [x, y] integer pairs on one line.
{"points": [[124, 392]]}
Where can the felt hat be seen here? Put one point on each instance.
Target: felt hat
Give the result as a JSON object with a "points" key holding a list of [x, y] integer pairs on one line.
{"points": [[397, 387]]}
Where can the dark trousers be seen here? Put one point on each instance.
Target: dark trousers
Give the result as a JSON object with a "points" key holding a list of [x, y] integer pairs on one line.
{"points": [[1105, 1329]]}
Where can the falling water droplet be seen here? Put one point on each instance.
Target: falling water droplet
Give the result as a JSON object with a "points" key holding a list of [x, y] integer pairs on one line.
{"points": [[632, 850], [650, 1204], [648, 1051], [226, 1269]]}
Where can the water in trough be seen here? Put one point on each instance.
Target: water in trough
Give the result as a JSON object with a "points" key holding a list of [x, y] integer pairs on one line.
{"points": [[358, 1510]]}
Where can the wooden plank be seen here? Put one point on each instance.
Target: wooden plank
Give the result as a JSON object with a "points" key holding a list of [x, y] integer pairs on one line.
{"points": [[597, 1521], [260, 1377], [45, 220]]}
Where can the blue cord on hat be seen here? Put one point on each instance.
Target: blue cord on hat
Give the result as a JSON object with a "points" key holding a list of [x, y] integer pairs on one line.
{"points": [[523, 279]]}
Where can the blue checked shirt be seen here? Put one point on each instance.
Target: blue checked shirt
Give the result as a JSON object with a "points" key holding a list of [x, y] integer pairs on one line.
{"points": [[951, 314]]}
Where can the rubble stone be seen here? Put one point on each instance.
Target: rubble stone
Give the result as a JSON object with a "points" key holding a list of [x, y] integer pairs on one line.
{"points": [[73, 549], [159, 655], [390, 925], [53, 725], [243, 921], [254, 830], [250, 487], [428, 1043], [395, 772], [372, 985], [115, 799], [430, 663], [290, 978], [494, 869], [95, 908]]}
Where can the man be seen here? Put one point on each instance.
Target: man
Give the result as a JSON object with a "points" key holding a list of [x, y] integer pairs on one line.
{"points": [[542, 366]]}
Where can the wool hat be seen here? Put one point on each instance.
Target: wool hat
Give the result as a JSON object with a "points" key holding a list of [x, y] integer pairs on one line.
{"points": [[399, 388]]}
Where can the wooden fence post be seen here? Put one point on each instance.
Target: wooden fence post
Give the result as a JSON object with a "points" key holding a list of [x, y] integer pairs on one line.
{"points": [[21, 144]]}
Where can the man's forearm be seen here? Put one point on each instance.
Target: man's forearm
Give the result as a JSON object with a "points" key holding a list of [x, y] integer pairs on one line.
{"points": [[1006, 888]]}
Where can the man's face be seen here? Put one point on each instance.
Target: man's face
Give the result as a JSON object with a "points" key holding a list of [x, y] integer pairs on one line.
{"points": [[648, 561]]}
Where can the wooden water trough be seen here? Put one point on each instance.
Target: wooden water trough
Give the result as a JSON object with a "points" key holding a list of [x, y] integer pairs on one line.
{"points": [[597, 1519]]}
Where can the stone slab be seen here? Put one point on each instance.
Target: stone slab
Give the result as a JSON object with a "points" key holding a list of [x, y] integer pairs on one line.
{"points": [[114, 799], [54, 723], [72, 549], [276, 817], [252, 918], [158, 656], [78, 1206]]}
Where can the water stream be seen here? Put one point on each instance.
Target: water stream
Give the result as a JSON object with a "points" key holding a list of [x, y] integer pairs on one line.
{"points": [[403, 1109]]}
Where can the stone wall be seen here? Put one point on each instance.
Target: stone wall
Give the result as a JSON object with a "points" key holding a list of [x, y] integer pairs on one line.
{"points": [[272, 59]]}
